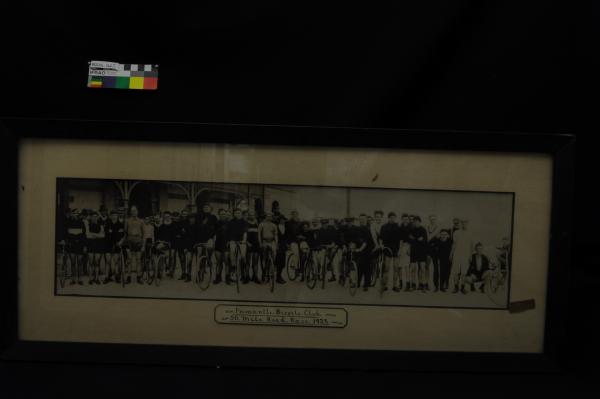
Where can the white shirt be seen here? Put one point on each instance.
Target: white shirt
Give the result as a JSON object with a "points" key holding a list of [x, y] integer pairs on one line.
{"points": [[463, 245], [432, 232], [376, 231]]}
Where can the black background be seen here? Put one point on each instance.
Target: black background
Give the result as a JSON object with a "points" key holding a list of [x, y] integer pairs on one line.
{"points": [[456, 65]]}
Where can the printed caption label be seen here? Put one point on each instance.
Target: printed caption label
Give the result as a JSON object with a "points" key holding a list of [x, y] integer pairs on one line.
{"points": [[281, 316]]}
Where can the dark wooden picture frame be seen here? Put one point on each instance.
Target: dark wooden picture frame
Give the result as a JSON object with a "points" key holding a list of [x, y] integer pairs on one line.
{"points": [[560, 147]]}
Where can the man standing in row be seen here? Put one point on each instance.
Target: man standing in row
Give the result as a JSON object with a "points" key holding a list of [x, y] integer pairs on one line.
{"points": [[390, 239], [418, 252], [268, 240], [462, 248], [134, 238], [433, 232], [441, 247]]}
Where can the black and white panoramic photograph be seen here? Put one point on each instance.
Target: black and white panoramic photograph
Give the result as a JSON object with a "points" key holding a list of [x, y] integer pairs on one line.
{"points": [[283, 243]]}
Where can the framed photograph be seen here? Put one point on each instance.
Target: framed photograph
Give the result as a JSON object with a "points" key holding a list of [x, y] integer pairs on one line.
{"points": [[281, 246]]}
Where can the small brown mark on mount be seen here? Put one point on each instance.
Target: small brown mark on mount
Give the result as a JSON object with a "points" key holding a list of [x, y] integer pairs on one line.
{"points": [[375, 177]]}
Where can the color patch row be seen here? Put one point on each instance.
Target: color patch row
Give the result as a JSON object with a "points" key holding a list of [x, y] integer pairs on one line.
{"points": [[123, 82]]}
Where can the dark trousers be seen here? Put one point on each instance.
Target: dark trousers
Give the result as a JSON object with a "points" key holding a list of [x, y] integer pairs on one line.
{"points": [[364, 273], [280, 260], [444, 266], [435, 263]]}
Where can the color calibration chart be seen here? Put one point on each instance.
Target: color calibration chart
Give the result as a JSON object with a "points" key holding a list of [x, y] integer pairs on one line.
{"points": [[113, 75]]}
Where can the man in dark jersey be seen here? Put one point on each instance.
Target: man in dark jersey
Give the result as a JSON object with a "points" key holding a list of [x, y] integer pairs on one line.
{"points": [[441, 247], [237, 234], [206, 228], [302, 238], [282, 247], [433, 231], [328, 238], [102, 219], [94, 234], [314, 233], [411, 221], [361, 239], [166, 234], [188, 239], [102, 215], [389, 237], [75, 243], [253, 247], [114, 235], [180, 219], [404, 253], [344, 230], [418, 251], [275, 211], [479, 269], [221, 253]]}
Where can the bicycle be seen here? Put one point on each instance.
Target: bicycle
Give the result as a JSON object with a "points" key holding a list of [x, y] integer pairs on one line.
{"points": [[239, 264], [384, 251], [349, 271], [122, 264], [495, 287], [146, 260], [329, 257], [326, 264], [310, 268], [202, 259], [160, 262], [269, 266], [377, 266], [291, 264]]}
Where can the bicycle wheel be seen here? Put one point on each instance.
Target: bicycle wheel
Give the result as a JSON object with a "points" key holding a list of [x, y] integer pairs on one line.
{"points": [[310, 274], [382, 282], [204, 272], [381, 286], [160, 269], [151, 272], [343, 272], [352, 277], [142, 267], [122, 268], [376, 268], [271, 270], [146, 265], [292, 267], [169, 265]]}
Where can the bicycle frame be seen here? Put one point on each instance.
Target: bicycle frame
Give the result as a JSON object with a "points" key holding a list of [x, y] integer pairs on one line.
{"points": [[203, 271]]}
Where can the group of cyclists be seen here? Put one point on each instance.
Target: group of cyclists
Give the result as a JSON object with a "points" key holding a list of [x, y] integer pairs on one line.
{"points": [[249, 246]]}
